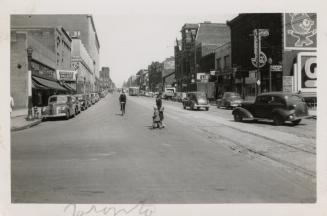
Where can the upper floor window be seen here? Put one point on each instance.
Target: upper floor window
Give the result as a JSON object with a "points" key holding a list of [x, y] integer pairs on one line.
{"points": [[226, 61], [218, 63]]}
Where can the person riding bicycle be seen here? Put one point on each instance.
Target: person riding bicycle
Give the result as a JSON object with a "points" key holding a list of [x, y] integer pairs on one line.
{"points": [[122, 100]]}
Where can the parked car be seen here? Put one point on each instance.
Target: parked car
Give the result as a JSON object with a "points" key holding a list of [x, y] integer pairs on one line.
{"points": [[276, 106], [78, 108], [97, 97], [83, 101], [102, 94], [60, 106], [229, 100], [88, 100], [93, 98], [196, 100]]}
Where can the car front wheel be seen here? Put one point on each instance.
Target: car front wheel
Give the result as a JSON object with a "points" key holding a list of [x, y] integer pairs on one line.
{"points": [[278, 120], [238, 117], [296, 122], [67, 115]]}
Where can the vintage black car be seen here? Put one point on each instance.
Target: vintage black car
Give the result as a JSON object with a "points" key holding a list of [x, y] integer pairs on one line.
{"points": [[196, 100], [229, 100], [277, 106]]}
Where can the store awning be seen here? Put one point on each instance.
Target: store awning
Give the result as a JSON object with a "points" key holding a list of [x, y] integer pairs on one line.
{"points": [[36, 85], [49, 84], [70, 86]]}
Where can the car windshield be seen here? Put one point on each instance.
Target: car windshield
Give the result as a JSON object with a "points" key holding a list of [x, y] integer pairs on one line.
{"points": [[58, 99], [233, 95], [294, 99], [201, 95]]}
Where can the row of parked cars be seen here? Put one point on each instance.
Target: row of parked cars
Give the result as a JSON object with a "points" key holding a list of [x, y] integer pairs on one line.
{"points": [[280, 107], [67, 106]]}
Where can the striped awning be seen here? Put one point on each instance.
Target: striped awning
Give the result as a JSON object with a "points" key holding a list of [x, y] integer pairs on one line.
{"points": [[41, 83]]}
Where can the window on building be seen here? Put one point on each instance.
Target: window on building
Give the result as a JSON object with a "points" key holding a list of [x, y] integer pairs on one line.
{"points": [[226, 61], [218, 61]]}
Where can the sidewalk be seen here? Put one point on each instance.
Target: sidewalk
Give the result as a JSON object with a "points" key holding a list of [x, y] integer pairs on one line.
{"points": [[18, 120]]}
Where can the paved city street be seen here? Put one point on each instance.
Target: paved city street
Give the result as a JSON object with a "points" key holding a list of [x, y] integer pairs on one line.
{"points": [[199, 157]]}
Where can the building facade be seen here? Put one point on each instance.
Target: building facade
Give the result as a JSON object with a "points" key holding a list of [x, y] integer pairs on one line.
{"points": [[256, 37], [105, 78], [274, 52], [76, 25], [83, 64], [50, 50]]}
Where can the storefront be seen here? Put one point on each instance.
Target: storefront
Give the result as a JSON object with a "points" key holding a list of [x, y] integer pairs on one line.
{"points": [[44, 84]]}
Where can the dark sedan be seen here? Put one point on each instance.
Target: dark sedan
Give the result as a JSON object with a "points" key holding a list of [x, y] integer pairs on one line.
{"points": [[277, 106]]}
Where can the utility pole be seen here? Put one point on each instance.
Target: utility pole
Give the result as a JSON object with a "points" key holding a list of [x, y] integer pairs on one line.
{"points": [[258, 61], [29, 84]]}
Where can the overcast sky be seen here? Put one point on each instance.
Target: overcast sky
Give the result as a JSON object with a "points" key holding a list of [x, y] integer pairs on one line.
{"points": [[130, 42]]}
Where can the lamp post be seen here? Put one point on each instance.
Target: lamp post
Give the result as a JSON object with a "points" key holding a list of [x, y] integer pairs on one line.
{"points": [[29, 84], [269, 64]]}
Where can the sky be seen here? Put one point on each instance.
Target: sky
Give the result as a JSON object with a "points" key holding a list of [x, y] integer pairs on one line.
{"points": [[130, 42]]}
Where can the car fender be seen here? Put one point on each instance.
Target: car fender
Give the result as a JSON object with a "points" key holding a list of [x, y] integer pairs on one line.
{"points": [[244, 112], [282, 112]]}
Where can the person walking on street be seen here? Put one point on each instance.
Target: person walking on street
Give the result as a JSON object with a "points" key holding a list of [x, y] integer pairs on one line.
{"points": [[160, 109], [122, 101]]}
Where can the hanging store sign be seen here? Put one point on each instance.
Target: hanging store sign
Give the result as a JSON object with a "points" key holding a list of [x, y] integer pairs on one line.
{"points": [[276, 68], [202, 77], [307, 71], [300, 31], [66, 75]]}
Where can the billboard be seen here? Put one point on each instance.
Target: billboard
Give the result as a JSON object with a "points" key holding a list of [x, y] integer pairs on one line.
{"points": [[300, 31], [66, 75], [307, 71]]}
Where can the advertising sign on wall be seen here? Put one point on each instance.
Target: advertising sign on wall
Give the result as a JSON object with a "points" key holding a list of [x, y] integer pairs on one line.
{"points": [[307, 71], [300, 31], [202, 77], [66, 75]]}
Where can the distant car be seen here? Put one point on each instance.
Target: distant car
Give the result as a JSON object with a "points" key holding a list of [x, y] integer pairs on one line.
{"points": [[93, 98], [78, 108], [88, 100], [196, 100], [276, 106], [178, 96], [97, 97], [102, 94], [229, 100], [60, 106], [83, 101]]}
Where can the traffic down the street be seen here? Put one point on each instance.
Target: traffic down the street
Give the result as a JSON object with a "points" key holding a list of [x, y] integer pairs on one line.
{"points": [[100, 156]]}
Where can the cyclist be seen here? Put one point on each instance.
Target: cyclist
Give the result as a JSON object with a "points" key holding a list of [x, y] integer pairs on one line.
{"points": [[122, 101]]}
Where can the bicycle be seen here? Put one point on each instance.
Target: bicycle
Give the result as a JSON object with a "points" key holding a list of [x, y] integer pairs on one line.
{"points": [[122, 107]]}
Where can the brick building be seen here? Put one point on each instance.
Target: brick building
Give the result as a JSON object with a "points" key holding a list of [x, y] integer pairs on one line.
{"points": [[77, 25], [286, 47], [51, 50]]}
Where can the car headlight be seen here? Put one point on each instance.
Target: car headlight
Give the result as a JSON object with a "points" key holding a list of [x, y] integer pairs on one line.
{"points": [[291, 117]]}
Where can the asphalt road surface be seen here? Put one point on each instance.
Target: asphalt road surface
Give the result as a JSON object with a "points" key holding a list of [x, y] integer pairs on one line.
{"points": [[102, 157]]}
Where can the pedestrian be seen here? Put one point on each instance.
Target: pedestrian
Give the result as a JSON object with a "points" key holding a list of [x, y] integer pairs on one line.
{"points": [[159, 101], [160, 108]]}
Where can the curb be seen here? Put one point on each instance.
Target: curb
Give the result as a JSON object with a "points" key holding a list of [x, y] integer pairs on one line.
{"points": [[26, 126]]}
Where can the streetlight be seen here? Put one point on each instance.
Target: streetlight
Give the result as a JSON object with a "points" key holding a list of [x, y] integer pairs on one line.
{"points": [[269, 64], [29, 84]]}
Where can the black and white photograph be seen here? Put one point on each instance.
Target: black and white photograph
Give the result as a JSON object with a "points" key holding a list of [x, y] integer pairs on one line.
{"points": [[138, 110]]}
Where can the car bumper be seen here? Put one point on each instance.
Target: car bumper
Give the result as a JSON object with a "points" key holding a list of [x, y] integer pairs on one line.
{"points": [[294, 118], [55, 115], [201, 106]]}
